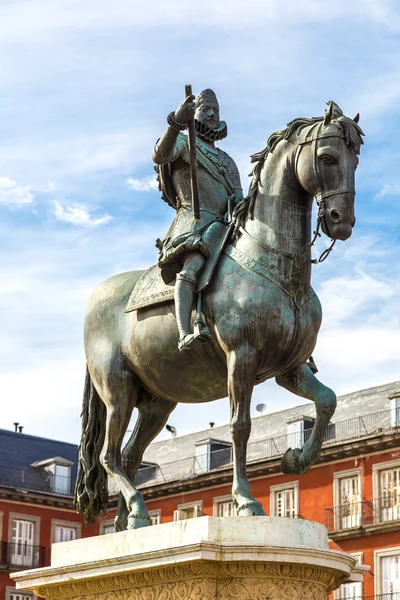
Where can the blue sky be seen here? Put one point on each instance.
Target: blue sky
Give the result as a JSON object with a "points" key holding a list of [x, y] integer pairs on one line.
{"points": [[85, 89]]}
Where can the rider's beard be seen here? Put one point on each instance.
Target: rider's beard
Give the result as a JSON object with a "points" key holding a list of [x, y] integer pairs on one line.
{"points": [[209, 134]]}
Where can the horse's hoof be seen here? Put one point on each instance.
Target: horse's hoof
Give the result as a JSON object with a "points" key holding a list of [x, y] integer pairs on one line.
{"points": [[137, 521], [120, 524], [291, 462], [252, 509]]}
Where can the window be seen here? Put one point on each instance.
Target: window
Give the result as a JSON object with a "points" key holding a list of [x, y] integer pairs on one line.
{"points": [[60, 473], [299, 431], [387, 567], [211, 454], [155, 517], [62, 479], [354, 590], [64, 531], [188, 511], [389, 480], [285, 500], [146, 472], [395, 410], [23, 547], [107, 527], [13, 594], [223, 507], [387, 491], [348, 506]]}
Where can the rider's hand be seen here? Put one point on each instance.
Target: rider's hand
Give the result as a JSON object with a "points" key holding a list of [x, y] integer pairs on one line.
{"points": [[185, 111]]}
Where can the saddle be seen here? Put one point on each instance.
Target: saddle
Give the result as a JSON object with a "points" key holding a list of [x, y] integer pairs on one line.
{"points": [[150, 289]]}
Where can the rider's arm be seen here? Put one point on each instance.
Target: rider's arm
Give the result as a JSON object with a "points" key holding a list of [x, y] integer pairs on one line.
{"points": [[169, 146], [236, 180]]}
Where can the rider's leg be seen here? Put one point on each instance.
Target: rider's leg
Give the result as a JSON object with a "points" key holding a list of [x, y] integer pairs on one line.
{"points": [[185, 288]]}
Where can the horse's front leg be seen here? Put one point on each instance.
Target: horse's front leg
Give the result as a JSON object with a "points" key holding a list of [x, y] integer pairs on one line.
{"points": [[242, 370], [303, 382]]}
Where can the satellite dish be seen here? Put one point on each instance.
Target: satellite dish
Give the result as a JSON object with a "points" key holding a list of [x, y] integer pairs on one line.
{"points": [[261, 408]]}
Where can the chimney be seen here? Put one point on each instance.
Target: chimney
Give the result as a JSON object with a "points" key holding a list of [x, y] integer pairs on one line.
{"points": [[211, 424], [16, 427], [20, 428]]}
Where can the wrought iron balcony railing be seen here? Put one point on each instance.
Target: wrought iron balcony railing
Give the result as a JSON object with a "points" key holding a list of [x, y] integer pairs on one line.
{"points": [[351, 429], [25, 556], [362, 514], [35, 480]]}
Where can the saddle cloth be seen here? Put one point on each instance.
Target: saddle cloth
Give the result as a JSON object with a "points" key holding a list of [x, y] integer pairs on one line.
{"points": [[151, 290]]}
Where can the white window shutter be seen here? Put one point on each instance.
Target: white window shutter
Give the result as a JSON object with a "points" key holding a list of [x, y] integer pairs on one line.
{"points": [[177, 515], [196, 511]]}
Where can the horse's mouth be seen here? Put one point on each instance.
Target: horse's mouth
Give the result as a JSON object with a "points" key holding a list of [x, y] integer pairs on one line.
{"points": [[336, 231]]}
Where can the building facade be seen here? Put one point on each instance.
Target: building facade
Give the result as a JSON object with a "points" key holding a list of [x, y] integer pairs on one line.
{"points": [[37, 478], [354, 489]]}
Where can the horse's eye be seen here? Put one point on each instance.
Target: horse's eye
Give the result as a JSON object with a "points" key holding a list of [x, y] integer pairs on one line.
{"points": [[328, 160]]}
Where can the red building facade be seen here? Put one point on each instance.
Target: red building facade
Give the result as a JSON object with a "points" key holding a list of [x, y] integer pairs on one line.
{"points": [[354, 489]]}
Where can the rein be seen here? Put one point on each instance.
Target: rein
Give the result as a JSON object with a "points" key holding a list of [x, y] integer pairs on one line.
{"points": [[312, 138]]}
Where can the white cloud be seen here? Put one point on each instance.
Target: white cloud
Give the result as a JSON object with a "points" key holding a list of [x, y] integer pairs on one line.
{"points": [[146, 184], [78, 214], [384, 191], [13, 194]]}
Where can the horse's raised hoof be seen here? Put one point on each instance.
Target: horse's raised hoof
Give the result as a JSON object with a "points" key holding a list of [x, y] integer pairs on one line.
{"points": [[252, 509], [137, 521], [291, 462]]}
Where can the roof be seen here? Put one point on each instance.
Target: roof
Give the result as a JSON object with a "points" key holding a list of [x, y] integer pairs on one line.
{"points": [[274, 425], [21, 450]]}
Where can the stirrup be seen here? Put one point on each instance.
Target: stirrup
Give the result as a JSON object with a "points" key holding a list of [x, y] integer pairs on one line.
{"points": [[201, 331]]}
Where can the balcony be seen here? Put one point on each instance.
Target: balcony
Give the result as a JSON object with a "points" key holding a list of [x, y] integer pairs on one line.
{"points": [[35, 480], [358, 518], [355, 429], [23, 556]]}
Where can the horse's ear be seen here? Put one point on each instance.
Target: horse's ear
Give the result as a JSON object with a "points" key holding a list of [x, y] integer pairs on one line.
{"points": [[356, 118], [328, 113]]}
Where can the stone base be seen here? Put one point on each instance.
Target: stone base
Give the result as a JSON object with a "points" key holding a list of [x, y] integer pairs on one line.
{"points": [[209, 558]]}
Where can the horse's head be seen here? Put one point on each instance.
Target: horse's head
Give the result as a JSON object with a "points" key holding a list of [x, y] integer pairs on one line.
{"points": [[325, 162]]}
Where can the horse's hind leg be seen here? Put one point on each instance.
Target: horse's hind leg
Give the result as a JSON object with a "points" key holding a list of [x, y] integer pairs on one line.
{"points": [[119, 391], [153, 415], [303, 382], [241, 377]]}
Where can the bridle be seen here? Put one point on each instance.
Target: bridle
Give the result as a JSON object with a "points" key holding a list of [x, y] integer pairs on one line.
{"points": [[312, 138]]}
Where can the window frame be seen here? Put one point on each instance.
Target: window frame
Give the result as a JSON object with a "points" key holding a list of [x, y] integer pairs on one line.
{"points": [[221, 500], [67, 524], [376, 484], [280, 488], [337, 499], [156, 513], [378, 555], [13, 516], [189, 505], [359, 556], [12, 590], [105, 524]]}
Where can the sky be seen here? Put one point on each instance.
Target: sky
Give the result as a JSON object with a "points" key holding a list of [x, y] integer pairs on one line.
{"points": [[85, 89]]}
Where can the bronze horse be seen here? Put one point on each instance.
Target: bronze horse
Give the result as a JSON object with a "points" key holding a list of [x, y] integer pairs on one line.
{"points": [[263, 315]]}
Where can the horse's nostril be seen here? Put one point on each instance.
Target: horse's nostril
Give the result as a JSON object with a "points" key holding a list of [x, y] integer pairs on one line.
{"points": [[335, 216]]}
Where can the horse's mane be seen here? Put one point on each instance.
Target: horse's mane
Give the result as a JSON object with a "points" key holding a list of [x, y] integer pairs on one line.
{"points": [[351, 130]]}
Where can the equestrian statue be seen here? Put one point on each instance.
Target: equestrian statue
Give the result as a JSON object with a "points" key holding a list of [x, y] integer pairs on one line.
{"points": [[229, 304]]}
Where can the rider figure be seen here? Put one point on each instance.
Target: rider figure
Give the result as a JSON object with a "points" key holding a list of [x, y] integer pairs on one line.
{"points": [[188, 242]]}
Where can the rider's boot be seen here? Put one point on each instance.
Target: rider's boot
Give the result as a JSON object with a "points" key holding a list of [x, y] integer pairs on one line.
{"points": [[185, 288], [184, 296]]}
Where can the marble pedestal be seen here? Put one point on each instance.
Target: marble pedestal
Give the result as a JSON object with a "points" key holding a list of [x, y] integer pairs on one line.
{"points": [[209, 558]]}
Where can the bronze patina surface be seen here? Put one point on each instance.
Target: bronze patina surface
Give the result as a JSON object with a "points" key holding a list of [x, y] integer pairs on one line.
{"points": [[261, 311]]}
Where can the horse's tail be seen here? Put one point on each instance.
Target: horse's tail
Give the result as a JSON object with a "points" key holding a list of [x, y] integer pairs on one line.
{"points": [[91, 491]]}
